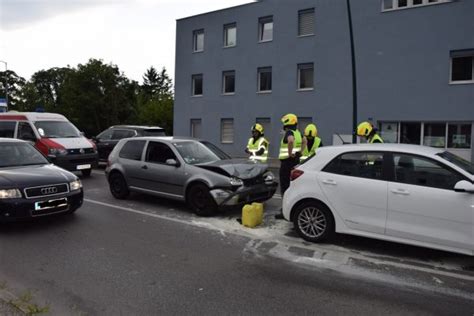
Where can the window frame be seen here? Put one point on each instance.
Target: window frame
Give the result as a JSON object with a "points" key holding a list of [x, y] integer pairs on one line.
{"points": [[149, 143], [193, 85], [226, 28], [385, 164], [136, 141], [302, 12], [304, 66], [222, 134], [123, 129], [192, 123], [392, 177], [15, 128], [196, 33], [225, 74], [455, 82], [260, 71], [411, 5], [261, 25]]}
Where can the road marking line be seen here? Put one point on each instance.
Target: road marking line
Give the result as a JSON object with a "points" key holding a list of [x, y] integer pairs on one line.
{"points": [[346, 256]]}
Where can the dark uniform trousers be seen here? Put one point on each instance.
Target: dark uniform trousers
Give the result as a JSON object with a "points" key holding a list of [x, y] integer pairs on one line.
{"points": [[285, 172]]}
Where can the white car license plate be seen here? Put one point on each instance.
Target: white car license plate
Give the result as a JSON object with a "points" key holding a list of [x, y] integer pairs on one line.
{"points": [[82, 167], [44, 205]]}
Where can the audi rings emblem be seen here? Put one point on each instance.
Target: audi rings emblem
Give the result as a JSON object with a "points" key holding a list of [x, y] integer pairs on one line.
{"points": [[50, 190]]}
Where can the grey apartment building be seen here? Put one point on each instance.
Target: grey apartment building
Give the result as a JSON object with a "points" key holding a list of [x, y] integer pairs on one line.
{"points": [[258, 61]]}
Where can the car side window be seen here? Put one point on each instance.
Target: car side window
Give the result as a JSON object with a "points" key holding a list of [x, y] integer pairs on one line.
{"points": [[25, 131], [415, 170], [107, 135], [159, 153], [358, 164], [132, 150], [122, 133], [7, 129]]}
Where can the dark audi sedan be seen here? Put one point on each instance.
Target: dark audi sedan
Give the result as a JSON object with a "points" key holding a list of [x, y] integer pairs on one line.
{"points": [[187, 169], [30, 186]]}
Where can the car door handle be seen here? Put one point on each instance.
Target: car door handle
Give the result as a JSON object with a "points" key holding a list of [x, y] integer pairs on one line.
{"points": [[329, 181], [145, 167], [400, 191]]}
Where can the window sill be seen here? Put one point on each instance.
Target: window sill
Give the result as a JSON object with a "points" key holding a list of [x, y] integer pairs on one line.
{"points": [[228, 94], [197, 96], [232, 46], [305, 35], [461, 82], [226, 142], [266, 41], [264, 92], [305, 89], [198, 51]]}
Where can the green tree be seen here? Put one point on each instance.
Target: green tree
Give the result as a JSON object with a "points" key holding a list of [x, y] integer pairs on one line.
{"points": [[49, 85], [98, 95], [12, 84], [155, 100]]}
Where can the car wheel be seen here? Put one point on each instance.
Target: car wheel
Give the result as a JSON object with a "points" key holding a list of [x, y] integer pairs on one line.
{"points": [[86, 172], [118, 186], [201, 201], [313, 221]]}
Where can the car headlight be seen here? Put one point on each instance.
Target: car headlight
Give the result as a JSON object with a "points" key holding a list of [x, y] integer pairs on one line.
{"points": [[268, 177], [75, 185], [57, 151], [236, 182], [10, 194]]}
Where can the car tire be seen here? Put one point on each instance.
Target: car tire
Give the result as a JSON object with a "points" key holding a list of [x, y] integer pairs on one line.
{"points": [[313, 221], [118, 186], [201, 201], [86, 172]]}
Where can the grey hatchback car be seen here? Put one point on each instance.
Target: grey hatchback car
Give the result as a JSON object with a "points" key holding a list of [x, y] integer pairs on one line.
{"points": [[187, 169]]}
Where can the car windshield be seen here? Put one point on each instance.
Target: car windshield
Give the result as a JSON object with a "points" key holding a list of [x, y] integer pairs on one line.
{"points": [[195, 153], [458, 161], [56, 129], [20, 154]]}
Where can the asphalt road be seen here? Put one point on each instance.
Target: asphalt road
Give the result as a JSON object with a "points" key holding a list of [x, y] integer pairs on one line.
{"points": [[149, 256]]}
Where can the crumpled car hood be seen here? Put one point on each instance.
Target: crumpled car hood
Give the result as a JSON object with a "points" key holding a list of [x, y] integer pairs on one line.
{"points": [[239, 168]]}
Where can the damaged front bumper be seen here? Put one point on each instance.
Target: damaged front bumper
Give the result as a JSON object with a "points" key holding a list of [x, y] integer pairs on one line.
{"points": [[244, 194]]}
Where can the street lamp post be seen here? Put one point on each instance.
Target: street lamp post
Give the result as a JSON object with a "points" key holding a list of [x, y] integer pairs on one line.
{"points": [[6, 82], [354, 76]]}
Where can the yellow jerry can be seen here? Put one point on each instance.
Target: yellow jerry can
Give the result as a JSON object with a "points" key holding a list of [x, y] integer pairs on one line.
{"points": [[252, 215]]}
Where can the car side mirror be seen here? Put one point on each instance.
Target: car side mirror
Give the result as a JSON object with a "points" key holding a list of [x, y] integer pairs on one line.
{"points": [[95, 139], [464, 186], [172, 162]]}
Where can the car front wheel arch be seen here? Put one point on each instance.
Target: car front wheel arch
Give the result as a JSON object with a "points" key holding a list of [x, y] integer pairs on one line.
{"points": [[118, 185], [198, 197]]}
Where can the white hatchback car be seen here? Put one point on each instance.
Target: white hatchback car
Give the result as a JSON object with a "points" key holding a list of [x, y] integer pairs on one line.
{"points": [[409, 194]]}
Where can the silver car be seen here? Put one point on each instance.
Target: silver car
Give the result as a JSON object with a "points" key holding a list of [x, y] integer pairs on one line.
{"points": [[187, 169]]}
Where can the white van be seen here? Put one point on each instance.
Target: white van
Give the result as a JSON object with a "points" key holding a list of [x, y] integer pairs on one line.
{"points": [[54, 136]]}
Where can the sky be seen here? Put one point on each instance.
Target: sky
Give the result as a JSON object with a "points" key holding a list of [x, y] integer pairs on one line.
{"points": [[132, 34]]}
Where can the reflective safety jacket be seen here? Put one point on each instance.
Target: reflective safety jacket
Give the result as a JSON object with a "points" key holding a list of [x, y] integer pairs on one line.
{"points": [[255, 147], [376, 139], [296, 146], [308, 153]]}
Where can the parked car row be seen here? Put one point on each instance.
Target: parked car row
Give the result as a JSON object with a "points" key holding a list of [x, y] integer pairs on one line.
{"points": [[403, 193]]}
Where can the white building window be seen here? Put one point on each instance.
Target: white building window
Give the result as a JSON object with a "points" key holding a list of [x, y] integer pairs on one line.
{"points": [[227, 131], [228, 82], [195, 128], [265, 29], [230, 35], [197, 85], [198, 40], [306, 22], [434, 135], [264, 79], [388, 5], [459, 135], [462, 66], [306, 76]]}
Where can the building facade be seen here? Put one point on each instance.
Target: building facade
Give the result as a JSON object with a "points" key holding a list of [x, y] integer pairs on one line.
{"points": [[256, 62]]}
